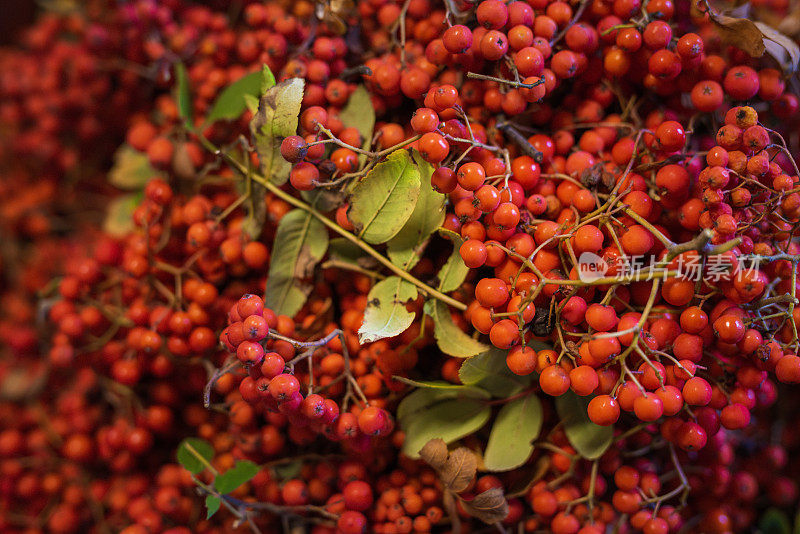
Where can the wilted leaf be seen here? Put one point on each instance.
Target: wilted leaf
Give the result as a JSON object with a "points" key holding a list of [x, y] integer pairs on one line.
{"points": [[119, 217], [231, 103], [459, 470], [490, 506], [434, 453], [131, 170], [405, 249], [300, 243], [489, 371], [212, 505], [589, 439], [241, 472], [182, 164], [276, 118], [194, 454], [515, 428], [784, 49], [449, 337], [183, 96], [386, 314], [335, 13], [754, 38], [385, 198]]}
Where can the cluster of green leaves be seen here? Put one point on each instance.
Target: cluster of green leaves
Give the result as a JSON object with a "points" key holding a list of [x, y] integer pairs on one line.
{"points": [[451, 412], [196, 454], [132, 169]]}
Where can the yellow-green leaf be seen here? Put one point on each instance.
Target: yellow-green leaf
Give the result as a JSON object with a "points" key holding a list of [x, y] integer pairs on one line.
{"points": [[406, 248], [300, 243], [385, 198], [421, 399], [442, 416], [454, 271], [386, 314], [194, 454], [449, 337], [359, 114], [515, 428], [119, 215], [131, 170]]}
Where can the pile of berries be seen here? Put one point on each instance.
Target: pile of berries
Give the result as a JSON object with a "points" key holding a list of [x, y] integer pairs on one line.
{"points": [[618, 185]]}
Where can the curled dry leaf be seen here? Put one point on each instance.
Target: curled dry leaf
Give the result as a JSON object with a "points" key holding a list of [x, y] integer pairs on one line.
{"points": [[754, 38], [434, 453], [459, 470], [490, 506]]}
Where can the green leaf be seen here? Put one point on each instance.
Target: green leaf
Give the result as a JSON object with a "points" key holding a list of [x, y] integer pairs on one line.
{"points": [[516, 427], [194, 454], [359, 114], [589, 439], [774, 521], [267, 78], [287, 470], [300, 243], [421, 399], [449, 337], [432, 384], [454, 271], [489, 371], [131, 170], [406, 248], [385, 198], [276, 118], [119, 215], [241, 472], [386, 314], [183, 96], [344, 250], [212, 505], [796, 523], [440, 415], [230, 104]]}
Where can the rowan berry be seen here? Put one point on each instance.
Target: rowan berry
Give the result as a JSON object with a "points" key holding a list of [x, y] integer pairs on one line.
{"points": [[521, 360], [457, 39], [554, 380], [583, 380]]}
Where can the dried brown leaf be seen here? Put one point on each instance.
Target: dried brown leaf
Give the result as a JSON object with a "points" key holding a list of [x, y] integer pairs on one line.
{"points": [[459, 470], [490, 506], [754, 38], [435, 453], [782, 48]]}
